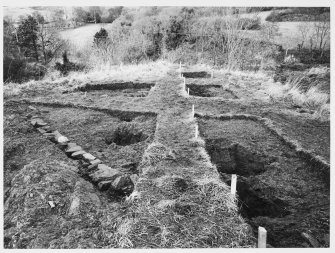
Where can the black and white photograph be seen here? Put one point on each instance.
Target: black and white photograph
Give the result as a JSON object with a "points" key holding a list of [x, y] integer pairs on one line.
{"points": [[166, 125]]}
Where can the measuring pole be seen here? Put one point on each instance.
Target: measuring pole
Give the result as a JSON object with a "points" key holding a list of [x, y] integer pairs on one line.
{"points": [[261, 237], [233, 184]]}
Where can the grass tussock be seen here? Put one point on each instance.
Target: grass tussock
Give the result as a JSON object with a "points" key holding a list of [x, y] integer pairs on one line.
{"points": [[309, 89], [205, 216]]}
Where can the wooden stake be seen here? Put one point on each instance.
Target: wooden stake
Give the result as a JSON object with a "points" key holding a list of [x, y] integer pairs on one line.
{"points": [[184, 81], [188, 91], [233, 184], [196, 131], [212, 74], [180, 65], [193, 110], [261, 237]]}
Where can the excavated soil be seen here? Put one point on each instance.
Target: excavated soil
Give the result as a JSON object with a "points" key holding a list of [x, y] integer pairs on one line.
{"points": [[211, 91], [276, 188], [37, 172], [118, 141], [118, 93]]}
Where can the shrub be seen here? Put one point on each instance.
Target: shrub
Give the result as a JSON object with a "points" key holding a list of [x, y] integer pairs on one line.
{"points": [[67, 66], [174, 33], [101, 36], [250, 23], [20, 70], [274, 16]]}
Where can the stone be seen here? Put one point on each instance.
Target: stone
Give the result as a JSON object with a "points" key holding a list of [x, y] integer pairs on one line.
{"points": [[36, 117], [40, 123], [32, 108], [74, 207], [49, 135], [42, 131], [88, 157], [91, 167], [73, 149], [120, 182], [52, 204], [93, 164], [96, 161], [56, 134], [62, 145], [104, 173], [62, 139], [104, 185], [134, 178], [34, 121], [71, 145], [78, 154]]}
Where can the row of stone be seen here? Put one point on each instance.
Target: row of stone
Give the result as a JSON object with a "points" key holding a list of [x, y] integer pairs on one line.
{"points": [[104, 176]]}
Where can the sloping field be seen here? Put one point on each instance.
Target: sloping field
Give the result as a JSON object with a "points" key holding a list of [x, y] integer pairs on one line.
{"points": [[82, 37], [135, 166]]}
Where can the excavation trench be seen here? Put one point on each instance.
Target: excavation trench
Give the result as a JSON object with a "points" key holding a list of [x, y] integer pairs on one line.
{"points": [[196, 74], [118, 142], [115, 86], [210, 91], [275, 186], [106, 90]]}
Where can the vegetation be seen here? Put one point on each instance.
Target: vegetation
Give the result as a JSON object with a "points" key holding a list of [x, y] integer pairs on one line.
{"points": [[300, 14], [218, 37]]}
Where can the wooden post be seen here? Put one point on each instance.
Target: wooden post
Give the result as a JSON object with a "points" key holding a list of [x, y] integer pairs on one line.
{"points": [[233, 184], [188, 91], [193, 110], [196, 131], [261, 237]]}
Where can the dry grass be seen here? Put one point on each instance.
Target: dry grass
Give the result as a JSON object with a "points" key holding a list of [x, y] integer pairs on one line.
{"points": [[145, 72], [314, 96]]}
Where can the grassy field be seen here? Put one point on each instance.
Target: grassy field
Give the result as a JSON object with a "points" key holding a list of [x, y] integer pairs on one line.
{"points": [[181, 196], [82, 37], [167, 140]]}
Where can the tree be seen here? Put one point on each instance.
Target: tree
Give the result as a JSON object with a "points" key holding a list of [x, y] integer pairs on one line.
{"points": [[113, 13], [80, 14], [49, 42], [174, 33], [95, 13], [101, 37], [59, 16], [27, 37]]}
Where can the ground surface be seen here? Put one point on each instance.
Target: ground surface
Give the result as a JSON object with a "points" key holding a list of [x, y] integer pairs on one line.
{"points": [[182, 197]]}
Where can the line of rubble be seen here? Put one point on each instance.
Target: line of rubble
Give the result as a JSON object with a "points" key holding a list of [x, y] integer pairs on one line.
{"points": [[105, 177]]}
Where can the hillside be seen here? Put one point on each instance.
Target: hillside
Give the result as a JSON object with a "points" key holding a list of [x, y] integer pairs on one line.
{"points": [[130, 134]]}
